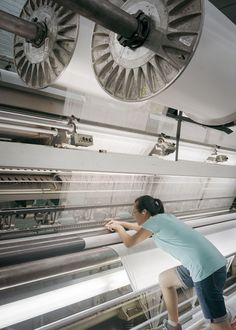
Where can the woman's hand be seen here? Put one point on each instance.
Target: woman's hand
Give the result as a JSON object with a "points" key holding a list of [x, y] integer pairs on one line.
{"points": [[119, 227], [124, 224], [113, 225]]}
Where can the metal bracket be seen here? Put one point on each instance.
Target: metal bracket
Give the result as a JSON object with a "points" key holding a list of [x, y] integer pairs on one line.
{"points": [[140, 35], [42, 32]]}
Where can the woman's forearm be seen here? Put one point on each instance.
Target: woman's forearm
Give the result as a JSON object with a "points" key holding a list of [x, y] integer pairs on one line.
{"points": [[130, 225], [138, 237], [126, 238]]}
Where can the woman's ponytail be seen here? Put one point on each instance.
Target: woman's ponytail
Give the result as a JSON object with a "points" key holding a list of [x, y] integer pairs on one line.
{"points": [[159, 204]]}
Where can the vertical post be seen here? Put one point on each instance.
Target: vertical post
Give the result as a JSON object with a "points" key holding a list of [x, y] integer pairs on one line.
{"points": [[178, 135]]}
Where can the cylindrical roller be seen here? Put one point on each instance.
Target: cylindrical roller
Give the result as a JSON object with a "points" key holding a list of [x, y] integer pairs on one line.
{"points": [[46, 268], [193, 68], [61, 266], [137, 75], [206, 89], [40, 67], [54, 249], [102, 240], [175, 27], [202, 222], [193, 71]]}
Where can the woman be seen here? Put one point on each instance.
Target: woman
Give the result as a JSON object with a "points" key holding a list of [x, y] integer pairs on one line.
{"points": [[203, 266]]}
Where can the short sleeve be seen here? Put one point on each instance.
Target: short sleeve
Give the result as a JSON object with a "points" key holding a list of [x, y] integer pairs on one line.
{"points": [[152, 225]]}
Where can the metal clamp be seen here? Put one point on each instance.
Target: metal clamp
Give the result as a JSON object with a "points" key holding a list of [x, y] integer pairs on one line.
{"points": [[42, 31], [140, 35]]}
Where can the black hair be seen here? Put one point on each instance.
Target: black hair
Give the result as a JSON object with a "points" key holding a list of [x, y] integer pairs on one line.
{"points": [[152, 205]]}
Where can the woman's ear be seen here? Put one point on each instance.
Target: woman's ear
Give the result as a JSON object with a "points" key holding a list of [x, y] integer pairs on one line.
{"points": [[144, 211]]}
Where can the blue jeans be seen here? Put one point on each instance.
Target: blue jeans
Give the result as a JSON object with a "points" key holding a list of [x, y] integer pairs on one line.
{"points": [[209, 292]]}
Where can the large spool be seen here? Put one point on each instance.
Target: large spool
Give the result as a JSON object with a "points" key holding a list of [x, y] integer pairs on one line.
{"points": [[198, 79], [193, 71], [39, 67], [137, 75]]}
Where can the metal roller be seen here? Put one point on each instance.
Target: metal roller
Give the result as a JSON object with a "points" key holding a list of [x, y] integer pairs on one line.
{"points": [[193, 70], [57, 266], [170, 30], [58, 247], [135, 75], [186, 59], [40, 65]]}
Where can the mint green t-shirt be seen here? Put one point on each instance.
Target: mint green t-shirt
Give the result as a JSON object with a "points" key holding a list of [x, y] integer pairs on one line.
{"points": [[187, 245]]}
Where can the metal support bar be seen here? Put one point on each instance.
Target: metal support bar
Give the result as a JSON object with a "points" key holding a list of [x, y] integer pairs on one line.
{"points": [[43, 157], [34, 32], [31, 130], [178, 135], [46, 209], [23, 119], [18, 26], [105, 14]]}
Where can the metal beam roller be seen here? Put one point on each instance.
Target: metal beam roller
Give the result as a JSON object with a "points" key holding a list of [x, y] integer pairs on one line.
{"points": [[47, 32], [182, 52], [42, 53]]}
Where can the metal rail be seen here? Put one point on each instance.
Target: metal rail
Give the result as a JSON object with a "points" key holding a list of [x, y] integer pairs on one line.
{"points": [[60, 208], [25, 120]]}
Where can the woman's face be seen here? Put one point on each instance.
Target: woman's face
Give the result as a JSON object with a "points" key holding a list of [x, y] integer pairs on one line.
{"points": [[140, 217]]}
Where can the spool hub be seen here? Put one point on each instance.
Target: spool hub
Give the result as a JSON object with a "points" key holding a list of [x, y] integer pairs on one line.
{"points": [[39, 66], [136, 75]]}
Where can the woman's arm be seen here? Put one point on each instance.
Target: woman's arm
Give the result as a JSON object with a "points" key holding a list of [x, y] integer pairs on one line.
{"points": [[125, 224], [128, 240]]}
